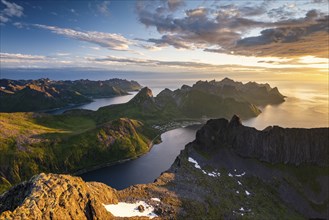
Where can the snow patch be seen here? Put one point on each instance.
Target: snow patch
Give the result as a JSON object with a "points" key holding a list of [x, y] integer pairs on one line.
{"points": [[123, 209], [240, 175], [214, 174], [230, 175], [196, 165], [156, 199], [247, 193], [239, 183]]}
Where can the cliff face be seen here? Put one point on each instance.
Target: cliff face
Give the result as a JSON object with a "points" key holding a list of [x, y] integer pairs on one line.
{"points": [[273, 144]]}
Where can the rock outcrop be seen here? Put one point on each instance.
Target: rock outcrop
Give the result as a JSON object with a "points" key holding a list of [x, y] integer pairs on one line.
{"points": [[273, 144], [51, 196]]}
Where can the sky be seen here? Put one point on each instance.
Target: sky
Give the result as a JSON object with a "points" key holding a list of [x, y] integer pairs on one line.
{"points": [[267, 39]]}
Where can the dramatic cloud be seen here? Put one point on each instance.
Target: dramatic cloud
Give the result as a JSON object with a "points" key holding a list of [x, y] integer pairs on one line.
{"points": [[309, 39], [224, 28], [10, 10], [106, 40]]}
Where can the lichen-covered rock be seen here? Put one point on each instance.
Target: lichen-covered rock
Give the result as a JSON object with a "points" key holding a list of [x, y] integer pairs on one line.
{"points": [[52, 196]]}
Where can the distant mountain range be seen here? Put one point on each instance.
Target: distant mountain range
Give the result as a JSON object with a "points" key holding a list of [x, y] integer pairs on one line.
{"points": [[41, 94], [258, 94], [203, 100]]}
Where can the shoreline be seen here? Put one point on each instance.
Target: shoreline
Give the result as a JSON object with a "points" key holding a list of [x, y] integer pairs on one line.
{"points": [[112, 163], [73, 106], [109, 164]]}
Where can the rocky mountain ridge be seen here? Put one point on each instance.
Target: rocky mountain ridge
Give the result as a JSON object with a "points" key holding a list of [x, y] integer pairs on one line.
{"points": [[256, 93], [273, 144], [41, 94]]}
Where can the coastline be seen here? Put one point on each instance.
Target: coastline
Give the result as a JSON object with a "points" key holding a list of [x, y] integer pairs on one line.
{"points": [[52, 111], [112, 163]]}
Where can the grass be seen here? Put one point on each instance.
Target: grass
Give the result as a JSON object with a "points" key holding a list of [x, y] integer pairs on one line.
{"points": [[219, 199], [305, 174], [32, 143]]}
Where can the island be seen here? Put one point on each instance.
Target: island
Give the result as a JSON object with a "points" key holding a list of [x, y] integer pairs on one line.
{"points": [[44, 94]]}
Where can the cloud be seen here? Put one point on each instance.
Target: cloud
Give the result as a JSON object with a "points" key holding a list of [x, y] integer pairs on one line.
{"points": [[17, 60], [73, 11], [63, 54], [19, 57], [319, 1], [223, 29], [106, 40], [103, 8], [11, 10], [152, 62], [18, 25], [302, 40], [200, 27], [175, 4]]}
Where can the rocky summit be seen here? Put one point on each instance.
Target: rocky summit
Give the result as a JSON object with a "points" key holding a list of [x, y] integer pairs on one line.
{"points": [[214, 177]]}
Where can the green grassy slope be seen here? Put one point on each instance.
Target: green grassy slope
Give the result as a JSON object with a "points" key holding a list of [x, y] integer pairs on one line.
{"points": [[31, 143]]}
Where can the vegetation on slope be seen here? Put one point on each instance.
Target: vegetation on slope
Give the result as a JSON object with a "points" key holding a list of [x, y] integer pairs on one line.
{"points": [[32, 143]]}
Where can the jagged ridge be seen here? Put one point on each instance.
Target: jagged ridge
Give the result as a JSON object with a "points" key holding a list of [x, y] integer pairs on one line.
{"points": [[273, 144]]}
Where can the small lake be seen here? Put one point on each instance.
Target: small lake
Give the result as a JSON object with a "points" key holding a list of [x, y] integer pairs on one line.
{"points": [[148, 167]]}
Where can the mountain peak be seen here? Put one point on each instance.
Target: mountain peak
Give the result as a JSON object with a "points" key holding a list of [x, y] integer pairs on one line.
{"points": [[143, 95], [235, 121], [226, 79]]}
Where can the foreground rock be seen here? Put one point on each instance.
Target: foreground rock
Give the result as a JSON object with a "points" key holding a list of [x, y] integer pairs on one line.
{"points": [[57, 197]]}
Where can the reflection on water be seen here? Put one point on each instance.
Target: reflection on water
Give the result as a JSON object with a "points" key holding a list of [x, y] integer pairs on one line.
{"points": [[305, 107]]}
